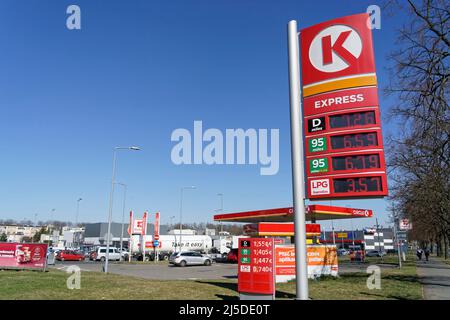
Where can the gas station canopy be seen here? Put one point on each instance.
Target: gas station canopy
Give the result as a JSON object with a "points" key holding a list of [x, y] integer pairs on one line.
{"points": [[313, 212]]}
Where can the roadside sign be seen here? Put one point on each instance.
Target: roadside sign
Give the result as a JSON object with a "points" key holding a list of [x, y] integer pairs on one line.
{"points": [[342, 126], [322, 260], [256, 266], [23, 255], [404, 224]]}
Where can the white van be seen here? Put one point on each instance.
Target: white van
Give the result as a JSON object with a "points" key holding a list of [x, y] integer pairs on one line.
{"points": [[100, 254]]}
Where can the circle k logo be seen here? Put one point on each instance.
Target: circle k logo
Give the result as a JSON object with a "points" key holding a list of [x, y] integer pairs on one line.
{"points": [[335, 48]]}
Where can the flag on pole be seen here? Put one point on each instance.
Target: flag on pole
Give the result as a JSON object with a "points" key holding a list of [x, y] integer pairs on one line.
{"points": [[144, 224], [130, 225], [156, 231]]}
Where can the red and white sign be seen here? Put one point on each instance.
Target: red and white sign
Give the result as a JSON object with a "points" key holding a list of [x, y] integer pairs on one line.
{"points": [[144, 224], [405, 224], [156, 236], [342, 124], [320, 187], [23, 255], [138, 226], [340, 100], [256, 270], [337, 48]]}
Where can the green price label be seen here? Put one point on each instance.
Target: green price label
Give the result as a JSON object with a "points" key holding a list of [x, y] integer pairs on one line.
{"points": [[318, 165], [245, 260], [317, 144], [245, 252]]}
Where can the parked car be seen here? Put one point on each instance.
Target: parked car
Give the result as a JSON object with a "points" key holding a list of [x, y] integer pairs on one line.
{"points": [[69, 255], [342, 252], [375, 253], [100, 254], [186, 258], [124, 254], [232, 256]]}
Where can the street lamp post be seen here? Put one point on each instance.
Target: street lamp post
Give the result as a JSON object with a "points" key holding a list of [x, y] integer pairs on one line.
{"points": [[181, 212], [174, 233], [123, 213], [108, 236], [221, 209], [78, 209]]}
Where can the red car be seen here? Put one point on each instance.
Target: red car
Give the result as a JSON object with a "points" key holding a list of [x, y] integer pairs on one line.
{"points": [[232, 256], [69, 255]]}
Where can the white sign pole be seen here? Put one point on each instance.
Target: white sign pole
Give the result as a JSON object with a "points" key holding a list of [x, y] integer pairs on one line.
{"points": [[298, 179]]}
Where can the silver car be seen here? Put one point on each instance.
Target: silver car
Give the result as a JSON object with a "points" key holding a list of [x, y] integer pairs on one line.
{"points": [[188, 258]]}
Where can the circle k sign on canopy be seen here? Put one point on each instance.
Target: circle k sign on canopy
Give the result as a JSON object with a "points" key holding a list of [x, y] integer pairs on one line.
{"points": [[335, 49]]}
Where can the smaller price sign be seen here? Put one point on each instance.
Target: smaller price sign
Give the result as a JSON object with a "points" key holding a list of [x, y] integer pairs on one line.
{"points": [[256, 266]]}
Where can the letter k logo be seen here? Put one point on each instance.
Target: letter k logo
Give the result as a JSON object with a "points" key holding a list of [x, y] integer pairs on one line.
{"points": [[337, 47]]}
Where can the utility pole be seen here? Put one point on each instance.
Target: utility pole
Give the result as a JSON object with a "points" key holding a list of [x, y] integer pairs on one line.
{"points": [[297, 158]]}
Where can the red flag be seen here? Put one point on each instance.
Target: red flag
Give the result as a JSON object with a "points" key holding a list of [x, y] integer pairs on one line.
{"points": [[144, 224], [156, 231], [130, 226]]}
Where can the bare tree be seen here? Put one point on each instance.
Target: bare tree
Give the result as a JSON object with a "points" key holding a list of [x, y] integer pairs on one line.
{"points": [[419, 156]]}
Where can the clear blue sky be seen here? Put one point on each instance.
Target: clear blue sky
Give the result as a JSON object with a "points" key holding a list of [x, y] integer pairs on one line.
{"points": [[135, 72]]}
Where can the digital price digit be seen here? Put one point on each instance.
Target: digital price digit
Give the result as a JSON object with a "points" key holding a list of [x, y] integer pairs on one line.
{"points": [[356, 162], [357, 140], [352, 119], [355, 185]]}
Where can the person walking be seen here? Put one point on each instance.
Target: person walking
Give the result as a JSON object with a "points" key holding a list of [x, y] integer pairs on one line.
{"points": [[419, 253], [427, 253]]}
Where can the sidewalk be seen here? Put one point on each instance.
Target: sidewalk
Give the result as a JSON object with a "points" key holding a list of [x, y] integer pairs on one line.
{"points": [[435, 278]]}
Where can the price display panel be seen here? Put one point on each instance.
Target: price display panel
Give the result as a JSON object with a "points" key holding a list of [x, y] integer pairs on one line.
{"points": [[256, 266], [348, 186], [346, 142], [349, 141], [339, 164], [343, 143]]}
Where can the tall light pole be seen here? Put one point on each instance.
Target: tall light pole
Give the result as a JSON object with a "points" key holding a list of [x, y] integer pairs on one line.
{"points": [[181, 212], [78, 210], [174, 233], [123, 213], [53, 229], [108, 236], [220, 209], [51, 214]]}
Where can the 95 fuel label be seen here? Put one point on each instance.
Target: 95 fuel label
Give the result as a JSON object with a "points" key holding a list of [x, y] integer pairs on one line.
{"points": [[226, 310]]}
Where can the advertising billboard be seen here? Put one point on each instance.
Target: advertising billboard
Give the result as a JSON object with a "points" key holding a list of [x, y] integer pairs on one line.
{"points": [[321, 260], [256, 266], [342, 125], [23, 255]]}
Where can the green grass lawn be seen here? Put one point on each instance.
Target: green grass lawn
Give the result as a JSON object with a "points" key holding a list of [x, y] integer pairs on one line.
{"points": [[395, 284]]}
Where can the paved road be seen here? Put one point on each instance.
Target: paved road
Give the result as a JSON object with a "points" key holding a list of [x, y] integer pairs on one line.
{"points": [[435, 278], [161, 271]]}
